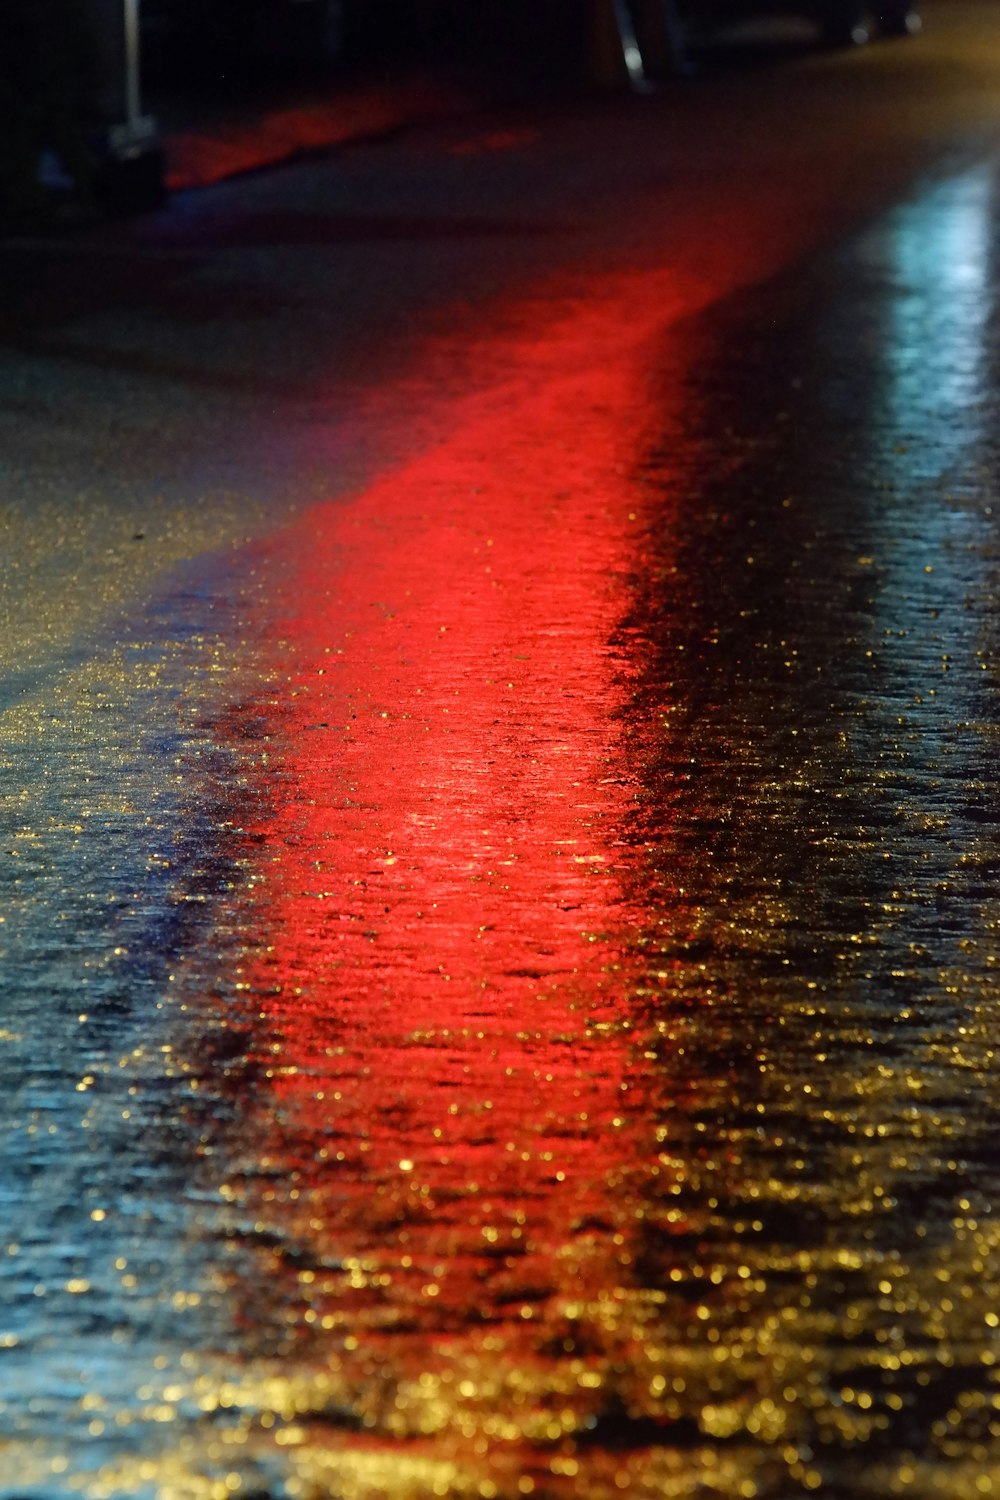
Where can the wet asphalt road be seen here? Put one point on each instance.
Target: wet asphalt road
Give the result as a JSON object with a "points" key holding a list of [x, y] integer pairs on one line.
{"points": [[499, 909]]}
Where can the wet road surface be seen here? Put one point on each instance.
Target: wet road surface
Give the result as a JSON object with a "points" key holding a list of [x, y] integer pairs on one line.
{"points": [[499, 912]]}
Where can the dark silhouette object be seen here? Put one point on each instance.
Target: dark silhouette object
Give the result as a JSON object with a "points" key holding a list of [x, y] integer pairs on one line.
{"points": [[607, 44], [48, 90], [635, 42]]}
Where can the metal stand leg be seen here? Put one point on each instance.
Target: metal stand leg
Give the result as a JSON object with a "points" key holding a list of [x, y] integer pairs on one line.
{"points": [[629, 45], [131, 170]]}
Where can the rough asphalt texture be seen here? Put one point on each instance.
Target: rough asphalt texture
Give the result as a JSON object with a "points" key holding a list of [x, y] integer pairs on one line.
{"points": [[499, 913]]}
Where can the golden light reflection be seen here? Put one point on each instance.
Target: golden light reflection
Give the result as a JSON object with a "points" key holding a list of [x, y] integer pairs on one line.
{"points": [[611, 1101]]}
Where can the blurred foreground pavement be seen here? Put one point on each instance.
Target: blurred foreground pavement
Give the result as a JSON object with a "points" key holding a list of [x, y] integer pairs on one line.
{"points": [[498, 913]]}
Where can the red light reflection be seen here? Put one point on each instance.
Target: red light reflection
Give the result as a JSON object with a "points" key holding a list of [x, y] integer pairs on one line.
{"points": [[233, 144], [445, 1132]]}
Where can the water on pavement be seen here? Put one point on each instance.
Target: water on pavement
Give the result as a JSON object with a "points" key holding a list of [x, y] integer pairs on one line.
{"points": [[545, 1043]]}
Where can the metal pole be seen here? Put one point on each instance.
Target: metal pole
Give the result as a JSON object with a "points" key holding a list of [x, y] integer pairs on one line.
{"points": [[133, 106], [629, 44], [131, 174]]}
